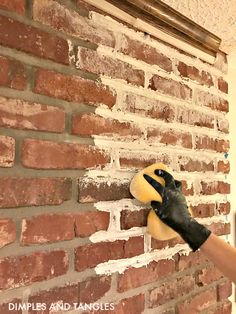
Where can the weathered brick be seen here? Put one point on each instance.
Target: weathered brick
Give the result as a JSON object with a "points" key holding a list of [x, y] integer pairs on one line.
{"points": [[89, 222], [170, 137], [17, 6], [206, 142], [170, 87], [224, 308], [131, 305], [223, 85], [61, 155], [130, 219], [66, 294], [59, 17], [94, 288], [7, 151], [160, 244], [223, 166], [25, 269], [90, 255], [17, 192], [87, 124], [198, 302], [219, 228], [212, 101], [47, 228], [7, 231], [141, 161], [12, 73], [194, 117], [191, 72], [187, 188], [210, 188], [148, 107], [224, 290], [31, 40], [91, 61], [4, 307], [92, 191], [191, 260], [208, 275], [143, 52], [223, 208], [136, 277], [20, 114], [190, 165], [222, 125], [170, 290], [73, 88], [203, 210]]}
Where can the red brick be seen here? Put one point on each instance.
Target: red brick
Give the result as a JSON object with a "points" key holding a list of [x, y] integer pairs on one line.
{"points": [[224, 308], [87, 124], [187, 188], [203, 210], [20, 114], [205, 142], [143, 52], [170, 87], [7, 231], [31, 40], [142, 161], [198, 302], [223, 208], [191, 260], [61, 155], [210, 188], [130, 219], [47, 228], [170, 290], [223, 166], [131, 305], [161, 244], [170, 137], [80, 90], [212, 101], [94, 288], [5, 309], [200, 76], [136, 277], [207, 276], [7, 151], [190, 165], [219, 228], [223, 85], [12, 74], [62, 19], [17, 192], [92, 191], [67, 294], [25, 269], [194, 117], [89, 222], [17, 6], [91, 61], [148, 107], [224, 290], [90, 255]]}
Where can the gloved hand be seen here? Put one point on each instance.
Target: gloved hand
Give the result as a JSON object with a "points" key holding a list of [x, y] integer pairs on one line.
{"points": [[173, 210]]}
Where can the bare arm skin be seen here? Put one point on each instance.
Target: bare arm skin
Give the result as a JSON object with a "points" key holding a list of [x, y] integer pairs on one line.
{"points": [[222, 255]]}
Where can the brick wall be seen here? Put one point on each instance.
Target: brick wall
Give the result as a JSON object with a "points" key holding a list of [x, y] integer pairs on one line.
{"points": [[84, 103]]}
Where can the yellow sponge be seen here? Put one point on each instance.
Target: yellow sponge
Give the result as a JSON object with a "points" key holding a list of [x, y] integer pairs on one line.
{"points": [[145, 193]]}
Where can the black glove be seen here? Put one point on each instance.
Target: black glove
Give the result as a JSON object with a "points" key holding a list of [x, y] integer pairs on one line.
{"points": [[173, 210]]}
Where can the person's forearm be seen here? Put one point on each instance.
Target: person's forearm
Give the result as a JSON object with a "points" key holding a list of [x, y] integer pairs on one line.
{"points": [[222, 255]]}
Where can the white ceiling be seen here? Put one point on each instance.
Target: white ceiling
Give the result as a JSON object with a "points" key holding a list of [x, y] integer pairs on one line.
{"points": [[217, 16]]}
